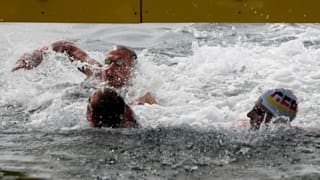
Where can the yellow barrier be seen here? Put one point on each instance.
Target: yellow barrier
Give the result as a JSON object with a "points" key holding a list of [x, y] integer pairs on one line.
{"points": [[231, 11], [135, 11], [85, 11]]}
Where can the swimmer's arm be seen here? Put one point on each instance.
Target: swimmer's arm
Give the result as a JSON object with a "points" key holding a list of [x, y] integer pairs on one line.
{"points": [[75, 54], [147, 98], [32, 60], [28, 60]]}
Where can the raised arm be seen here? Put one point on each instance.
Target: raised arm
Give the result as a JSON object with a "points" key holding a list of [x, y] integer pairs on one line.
{"points": [[32, 60]]}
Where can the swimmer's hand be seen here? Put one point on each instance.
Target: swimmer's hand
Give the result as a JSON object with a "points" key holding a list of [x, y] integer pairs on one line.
{"points": [[147, 98], [28, 61]]}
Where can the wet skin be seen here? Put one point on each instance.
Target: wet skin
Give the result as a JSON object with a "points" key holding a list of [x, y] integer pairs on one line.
{"points": [[94, 103], [114, 74], [257, 115]]}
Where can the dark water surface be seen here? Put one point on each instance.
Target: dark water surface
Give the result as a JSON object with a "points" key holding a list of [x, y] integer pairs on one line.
{"points": [[162, 153]]}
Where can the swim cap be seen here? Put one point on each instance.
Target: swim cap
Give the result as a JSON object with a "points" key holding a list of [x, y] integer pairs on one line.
{"points": [[280, 102]]}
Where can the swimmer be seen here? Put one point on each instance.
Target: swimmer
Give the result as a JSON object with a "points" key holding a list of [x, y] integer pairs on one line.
{"points": [[273, 106], [116, 71], [106, 108]]}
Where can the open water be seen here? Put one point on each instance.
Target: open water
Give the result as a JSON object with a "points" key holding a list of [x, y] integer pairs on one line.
{"points": [[205, 77]]}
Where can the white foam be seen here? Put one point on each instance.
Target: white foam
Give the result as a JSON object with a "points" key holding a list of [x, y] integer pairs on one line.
{"points": [[213, 86]]}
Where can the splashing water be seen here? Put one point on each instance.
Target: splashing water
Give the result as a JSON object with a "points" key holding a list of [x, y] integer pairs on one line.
{"points": [[204, 76]]}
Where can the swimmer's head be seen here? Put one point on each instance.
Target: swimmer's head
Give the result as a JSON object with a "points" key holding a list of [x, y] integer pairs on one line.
{"points": [[105, 108], [282, 103], [120, 61], [121, 52], [121, 47], [258, 115]]}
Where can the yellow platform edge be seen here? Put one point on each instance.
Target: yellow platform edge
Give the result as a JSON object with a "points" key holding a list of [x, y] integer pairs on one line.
{"points": [[77, 11], [158, 11]]}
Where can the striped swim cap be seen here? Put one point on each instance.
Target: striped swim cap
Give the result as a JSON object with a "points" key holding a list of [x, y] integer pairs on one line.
{"points": [[280, 102]]}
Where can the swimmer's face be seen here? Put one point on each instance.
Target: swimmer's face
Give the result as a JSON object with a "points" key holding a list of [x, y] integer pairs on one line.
{"points": [[258, 114], [119, 65]]}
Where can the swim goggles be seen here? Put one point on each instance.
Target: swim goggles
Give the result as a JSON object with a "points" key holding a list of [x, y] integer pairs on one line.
{"points": [[118, 62], [259, 111]]}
